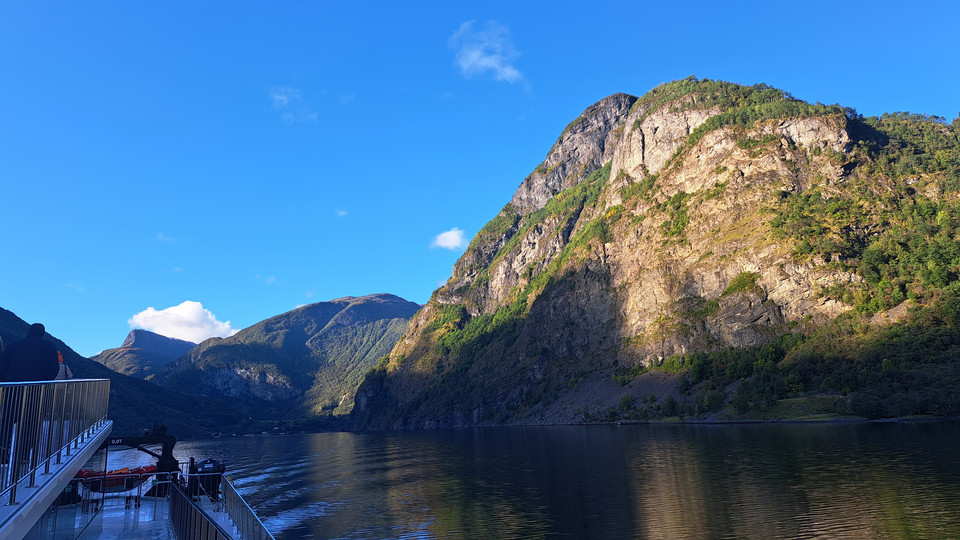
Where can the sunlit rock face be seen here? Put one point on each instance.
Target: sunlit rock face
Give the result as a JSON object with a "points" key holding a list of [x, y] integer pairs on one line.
{"points": [[637, 238]]}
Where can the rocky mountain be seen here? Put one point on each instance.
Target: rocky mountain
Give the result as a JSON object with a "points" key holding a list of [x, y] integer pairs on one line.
{"points": [[136, 404], [305, 362], [706, 247], [142, 353]]}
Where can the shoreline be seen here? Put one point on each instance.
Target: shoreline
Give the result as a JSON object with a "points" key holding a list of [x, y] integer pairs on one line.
{"points": [[663, 422]]}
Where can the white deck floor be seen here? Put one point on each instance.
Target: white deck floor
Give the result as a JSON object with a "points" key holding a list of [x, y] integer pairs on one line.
{"points": [[116, 521]]}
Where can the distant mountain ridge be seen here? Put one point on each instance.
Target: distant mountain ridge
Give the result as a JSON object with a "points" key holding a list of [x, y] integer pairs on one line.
{"points": [[156, 343], [305, 362], [136, 404], [142, 353]]}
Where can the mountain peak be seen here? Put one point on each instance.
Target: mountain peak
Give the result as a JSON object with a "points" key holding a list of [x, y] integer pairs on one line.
{"points": [[583, 147], [143, 352], [145, 339]]}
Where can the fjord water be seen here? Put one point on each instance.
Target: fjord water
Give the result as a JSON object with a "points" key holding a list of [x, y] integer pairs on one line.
{"points": [[888, 480]]}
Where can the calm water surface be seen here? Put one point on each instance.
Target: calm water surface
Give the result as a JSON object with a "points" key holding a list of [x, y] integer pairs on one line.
{"points": [[641, 481]]}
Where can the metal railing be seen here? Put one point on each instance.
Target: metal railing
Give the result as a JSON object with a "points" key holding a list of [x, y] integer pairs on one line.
{"points": [[189, 521], [42, 422], [203, 506], [246, 520], [87, 497]]}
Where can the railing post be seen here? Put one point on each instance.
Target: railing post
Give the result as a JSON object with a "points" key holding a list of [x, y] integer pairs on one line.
{"points": [[49, 419], [33, 468], [16, 447], [11, 466], [61, 427], [34, 424], [73, 417]]}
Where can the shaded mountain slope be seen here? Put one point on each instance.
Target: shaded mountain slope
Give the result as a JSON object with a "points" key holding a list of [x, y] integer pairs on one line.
{"points": [[736, 244], [136, 404], [305, 362], [142, 353]]}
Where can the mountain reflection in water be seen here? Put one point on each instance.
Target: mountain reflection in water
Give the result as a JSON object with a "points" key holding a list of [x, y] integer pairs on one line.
{"points": [[889, 480]]}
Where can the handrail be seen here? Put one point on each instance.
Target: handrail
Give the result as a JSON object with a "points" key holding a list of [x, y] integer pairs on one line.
{"points": [[189, 521], [246, 520], [190, 515], [40, 422]]}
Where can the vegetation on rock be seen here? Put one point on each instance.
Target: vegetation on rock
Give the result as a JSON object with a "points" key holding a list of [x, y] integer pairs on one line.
{"points": [[778, 250]]}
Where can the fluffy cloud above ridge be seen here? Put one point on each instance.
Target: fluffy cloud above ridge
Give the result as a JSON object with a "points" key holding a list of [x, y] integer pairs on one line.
{"points": [[188, 321], [485, 50], [452, 239]]}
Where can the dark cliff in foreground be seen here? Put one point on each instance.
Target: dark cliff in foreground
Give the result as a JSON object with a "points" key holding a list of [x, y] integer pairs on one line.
{"points": [[142, 353], [707, 249]]}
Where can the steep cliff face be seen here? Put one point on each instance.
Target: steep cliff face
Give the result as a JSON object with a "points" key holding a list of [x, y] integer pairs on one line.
{"points": [[305, 362], [584, 146], [652, 230]]}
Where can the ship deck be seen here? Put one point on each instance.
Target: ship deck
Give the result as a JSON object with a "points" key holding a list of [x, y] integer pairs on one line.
{"points": [[120, 518]]}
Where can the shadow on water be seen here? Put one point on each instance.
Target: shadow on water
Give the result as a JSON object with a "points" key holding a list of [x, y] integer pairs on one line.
{"points": [[643, 481]]}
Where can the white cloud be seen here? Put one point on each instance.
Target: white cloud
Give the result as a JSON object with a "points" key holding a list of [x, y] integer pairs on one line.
{"points": [[189, 321], [266, 279], [452, 239], [341, 213], [290, 102], [165, 239], [283, 95], [300, 116], [486, 50], [347, 98]]}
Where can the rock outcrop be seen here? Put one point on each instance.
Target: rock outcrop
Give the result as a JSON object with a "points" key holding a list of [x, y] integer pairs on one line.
{"points": [[585, 145]]}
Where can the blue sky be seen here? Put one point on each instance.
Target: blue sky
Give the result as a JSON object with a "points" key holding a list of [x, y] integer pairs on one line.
{"points": [[236, 159]]}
